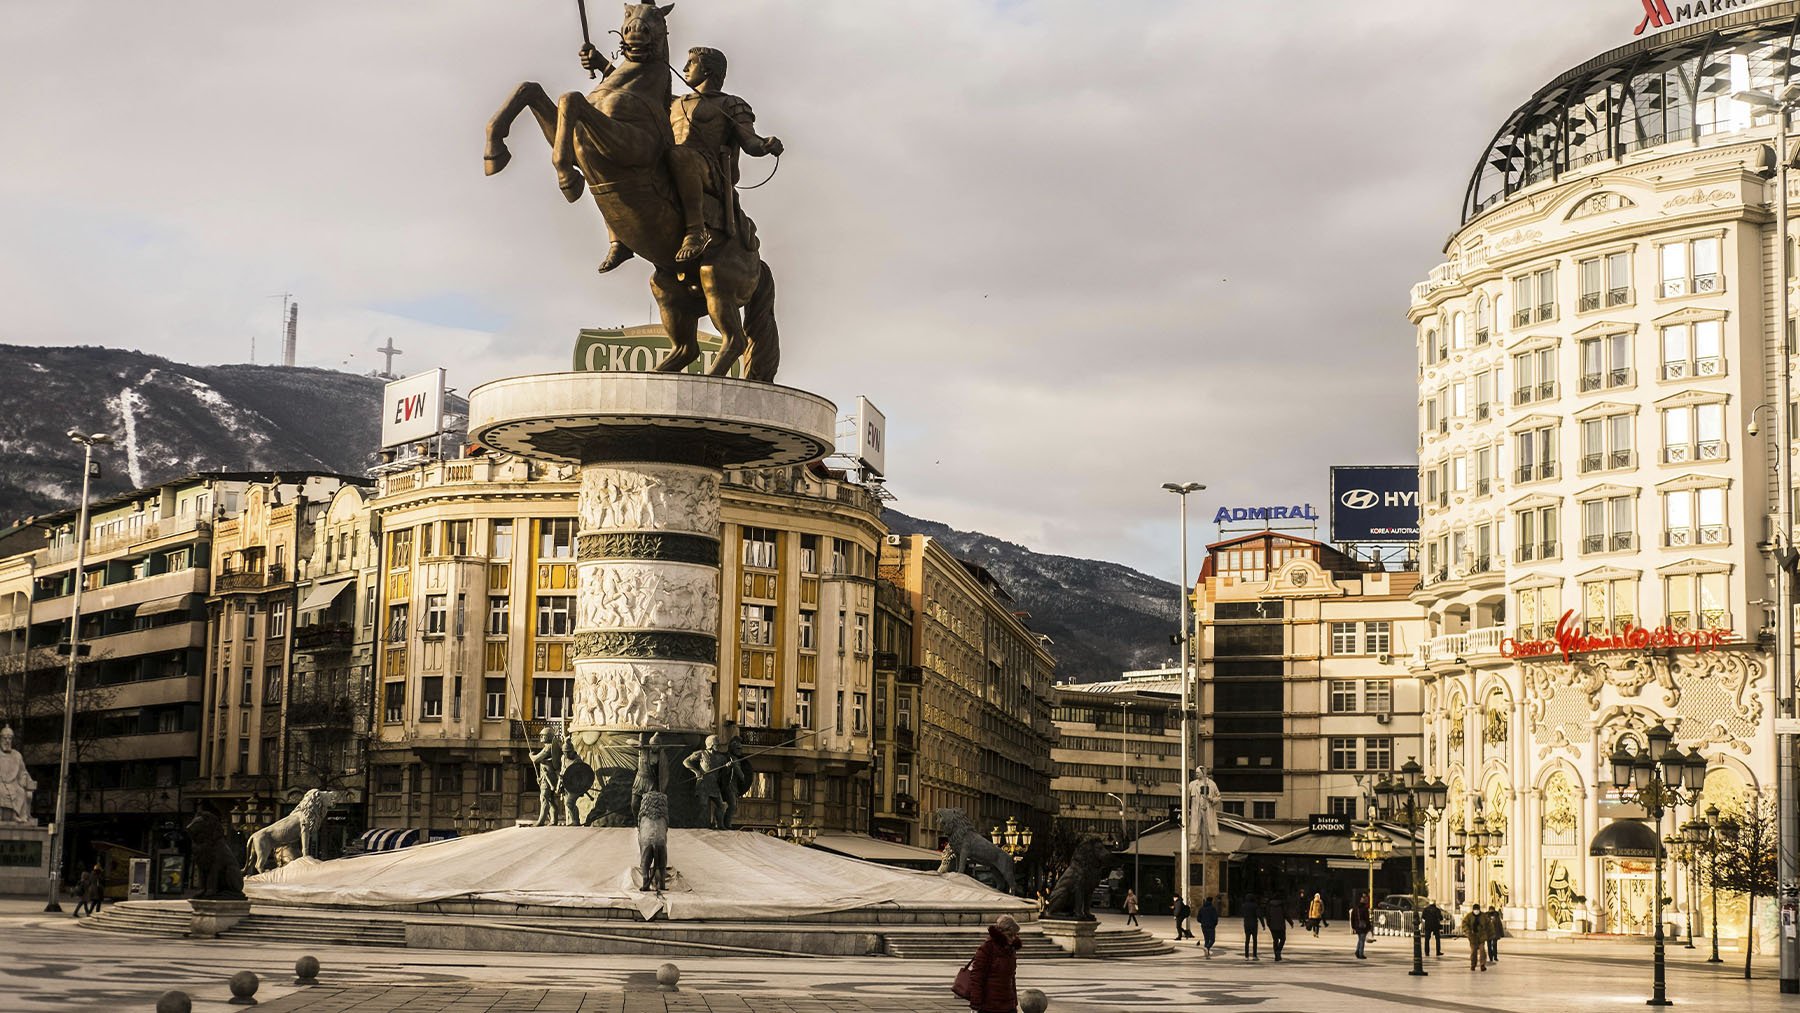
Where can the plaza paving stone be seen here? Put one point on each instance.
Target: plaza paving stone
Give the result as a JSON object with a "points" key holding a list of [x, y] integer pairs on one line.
{"points": [[48, 963]]}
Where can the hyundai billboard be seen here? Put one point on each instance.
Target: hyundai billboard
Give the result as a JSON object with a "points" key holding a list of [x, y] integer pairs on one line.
{"points": [[1375, 503]]}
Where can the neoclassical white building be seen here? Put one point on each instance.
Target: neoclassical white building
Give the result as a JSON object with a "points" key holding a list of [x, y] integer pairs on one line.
{"points": [[1592, 353]]}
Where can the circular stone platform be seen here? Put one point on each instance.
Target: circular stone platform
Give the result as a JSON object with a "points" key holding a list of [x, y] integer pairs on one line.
{"points": [[578, 418], [716, 875]]}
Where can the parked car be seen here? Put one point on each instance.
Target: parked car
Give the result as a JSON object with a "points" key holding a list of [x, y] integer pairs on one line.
{"points": [[1393, 915]]}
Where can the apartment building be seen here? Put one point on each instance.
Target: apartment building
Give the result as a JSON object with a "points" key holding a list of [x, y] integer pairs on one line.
{"points": [[1118, 754], [986, 691], [898, 709], [1304, 689]]}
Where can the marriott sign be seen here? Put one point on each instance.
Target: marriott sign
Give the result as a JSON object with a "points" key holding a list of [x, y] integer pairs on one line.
{"points": [[1665, 13]]}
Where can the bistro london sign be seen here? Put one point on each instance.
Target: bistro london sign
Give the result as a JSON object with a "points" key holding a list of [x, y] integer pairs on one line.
{"points": [[1569, 640], [1663, 13]]}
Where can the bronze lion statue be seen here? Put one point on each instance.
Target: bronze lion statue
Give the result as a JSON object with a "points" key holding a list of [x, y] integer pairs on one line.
{"points": [[216, 867], [1069, 897]]}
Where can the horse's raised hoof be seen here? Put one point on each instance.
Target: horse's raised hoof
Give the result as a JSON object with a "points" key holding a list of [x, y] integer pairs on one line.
{"points": [[571, 183], [496, 160], [617, 254]]}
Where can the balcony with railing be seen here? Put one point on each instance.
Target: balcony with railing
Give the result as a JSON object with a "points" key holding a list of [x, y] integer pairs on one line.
{"points": [[250, 580], [1480, 644], [323, 637]]}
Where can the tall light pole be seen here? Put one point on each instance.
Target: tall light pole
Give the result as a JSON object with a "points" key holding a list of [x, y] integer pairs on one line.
{"points": [[1184, 874], [59, 834], [1659, 778], [1787, 771]]}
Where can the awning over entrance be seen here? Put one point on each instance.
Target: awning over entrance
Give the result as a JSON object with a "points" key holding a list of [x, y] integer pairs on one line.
{"points": [[883, 852], [159, 606], [1322, 844], [1625, 839], [323, 594], [389, 839]]}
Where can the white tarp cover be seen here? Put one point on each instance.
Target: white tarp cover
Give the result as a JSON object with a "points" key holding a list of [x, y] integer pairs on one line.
{"points": [[715, 874]]}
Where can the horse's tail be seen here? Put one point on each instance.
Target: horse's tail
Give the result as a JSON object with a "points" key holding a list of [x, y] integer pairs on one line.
{"points": [[759, 324]]}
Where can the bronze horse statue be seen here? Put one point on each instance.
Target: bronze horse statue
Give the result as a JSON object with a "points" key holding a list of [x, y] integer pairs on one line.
{"points": [[615, 142]]}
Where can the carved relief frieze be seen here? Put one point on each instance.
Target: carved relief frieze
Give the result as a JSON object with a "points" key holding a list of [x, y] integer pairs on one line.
{"points": [[648, 596], [666, 695], [649, 498]]}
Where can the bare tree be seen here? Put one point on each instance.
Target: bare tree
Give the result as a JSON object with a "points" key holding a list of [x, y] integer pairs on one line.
{"points": [[1745, 861]]}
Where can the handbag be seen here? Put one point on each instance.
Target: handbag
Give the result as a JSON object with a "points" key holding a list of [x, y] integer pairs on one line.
{"points": [[964, 984]]}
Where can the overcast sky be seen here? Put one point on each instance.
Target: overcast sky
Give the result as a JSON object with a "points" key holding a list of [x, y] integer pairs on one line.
{"points": [[1073, 249]]}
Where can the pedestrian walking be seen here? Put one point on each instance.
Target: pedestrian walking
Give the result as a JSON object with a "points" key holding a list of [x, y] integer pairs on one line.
{"points": [[1434, 927], [1180, 907], [1496, 927], [96, 889], [992, 980], [1208, 917], [81, 892], [1131, 907], [1359, 924], [1276, 917], [1315, 914], [1474, 927], [1252, 915]]}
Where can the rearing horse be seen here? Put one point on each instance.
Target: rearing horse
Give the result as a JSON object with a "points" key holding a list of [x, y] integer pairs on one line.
{"points": [[615, 141]]}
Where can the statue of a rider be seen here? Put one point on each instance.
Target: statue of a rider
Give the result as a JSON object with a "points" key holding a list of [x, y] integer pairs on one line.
{"points": [[711, 127]]}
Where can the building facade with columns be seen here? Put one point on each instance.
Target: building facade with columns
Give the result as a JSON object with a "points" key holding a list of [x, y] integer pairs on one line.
{"points": [[1597, 505]]}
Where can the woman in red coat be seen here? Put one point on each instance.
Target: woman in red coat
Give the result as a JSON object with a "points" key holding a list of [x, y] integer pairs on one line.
{"points": [[993, 973]]}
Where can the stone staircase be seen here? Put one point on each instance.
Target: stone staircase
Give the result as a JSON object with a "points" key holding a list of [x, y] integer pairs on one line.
{"points": [[140, 920], [960, 944], [320, 930]]}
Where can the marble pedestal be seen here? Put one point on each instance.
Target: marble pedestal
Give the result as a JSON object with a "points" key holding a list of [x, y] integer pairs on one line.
{"points": [[24, 858], [652, 448], [1076, 938], [212, 917]]}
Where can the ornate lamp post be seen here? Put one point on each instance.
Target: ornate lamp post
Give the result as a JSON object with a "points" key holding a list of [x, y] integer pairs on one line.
{"points": [[795, 829], [1371, 846], [1659, 779], [1418, 803], [1719, 834], [1013, 839], [1479, 842], [1683, 847]]}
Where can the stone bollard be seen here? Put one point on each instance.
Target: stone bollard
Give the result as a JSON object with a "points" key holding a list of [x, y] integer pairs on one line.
{"points": [[306, 971], [243, 988], [666, 977], [1033, 1001], [174, 1001]]}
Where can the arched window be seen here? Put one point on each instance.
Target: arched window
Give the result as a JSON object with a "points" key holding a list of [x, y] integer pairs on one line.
{"points": [[1484, 320], [1459, 337]]}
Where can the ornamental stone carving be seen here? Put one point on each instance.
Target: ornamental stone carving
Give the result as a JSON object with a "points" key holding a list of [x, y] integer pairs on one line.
{"points": [[660, 596], [650, 498], [656, 695]]}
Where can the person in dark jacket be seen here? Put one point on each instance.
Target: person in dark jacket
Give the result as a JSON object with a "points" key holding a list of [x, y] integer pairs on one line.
{"points": [[1180, 907], [81, 892], [1208, 917], [993, 974], [1359, 924], [1276, 917], [1434, 927], [1496, 927], [1252, 914]]}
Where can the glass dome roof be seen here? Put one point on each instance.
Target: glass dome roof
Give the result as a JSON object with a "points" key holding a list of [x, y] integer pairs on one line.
{"points": [[1673, 88]]}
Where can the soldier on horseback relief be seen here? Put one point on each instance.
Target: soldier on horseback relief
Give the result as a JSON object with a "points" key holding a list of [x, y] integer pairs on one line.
{"points": [[711, 127]]}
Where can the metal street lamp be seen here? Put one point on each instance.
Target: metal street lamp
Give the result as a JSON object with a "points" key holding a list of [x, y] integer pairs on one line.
{"points": [[1371, 846], [1787, 777], [1480, 841], [1720, 833], [1658, 779], [1013, 839], [58, 833], [1684, 847], [1418, 803], [1183, 874], [1136, 865]]}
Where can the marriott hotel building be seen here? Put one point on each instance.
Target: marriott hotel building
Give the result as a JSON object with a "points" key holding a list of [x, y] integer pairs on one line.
{"points": [[1592, 354]]}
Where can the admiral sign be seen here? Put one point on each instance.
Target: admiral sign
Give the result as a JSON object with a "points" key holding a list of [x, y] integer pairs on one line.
{"points": [[412, 408], [1664, 13], [1375, 503]]}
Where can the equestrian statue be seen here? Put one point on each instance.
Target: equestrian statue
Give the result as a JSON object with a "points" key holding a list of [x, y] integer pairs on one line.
{"points": [[664, 171]]}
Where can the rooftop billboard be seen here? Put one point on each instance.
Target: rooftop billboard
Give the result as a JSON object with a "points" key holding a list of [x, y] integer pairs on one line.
{"points": [[1375, 503]]}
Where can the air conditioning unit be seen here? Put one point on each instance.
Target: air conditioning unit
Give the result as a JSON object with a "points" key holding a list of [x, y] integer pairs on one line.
{"points": [[1384, 659], [1382, 719], [895, 539]]}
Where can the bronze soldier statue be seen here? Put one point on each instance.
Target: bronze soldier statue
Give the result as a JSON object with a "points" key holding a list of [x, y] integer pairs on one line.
{"points": [[711, 127]]}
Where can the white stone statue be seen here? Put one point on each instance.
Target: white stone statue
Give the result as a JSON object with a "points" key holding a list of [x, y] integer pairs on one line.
{"points": [[16, 785], [1203, 812]]}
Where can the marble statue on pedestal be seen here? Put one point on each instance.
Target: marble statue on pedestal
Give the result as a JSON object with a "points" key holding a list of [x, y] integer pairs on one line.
{"points": [[16, 784], [1203, 812], [293, 835]]}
